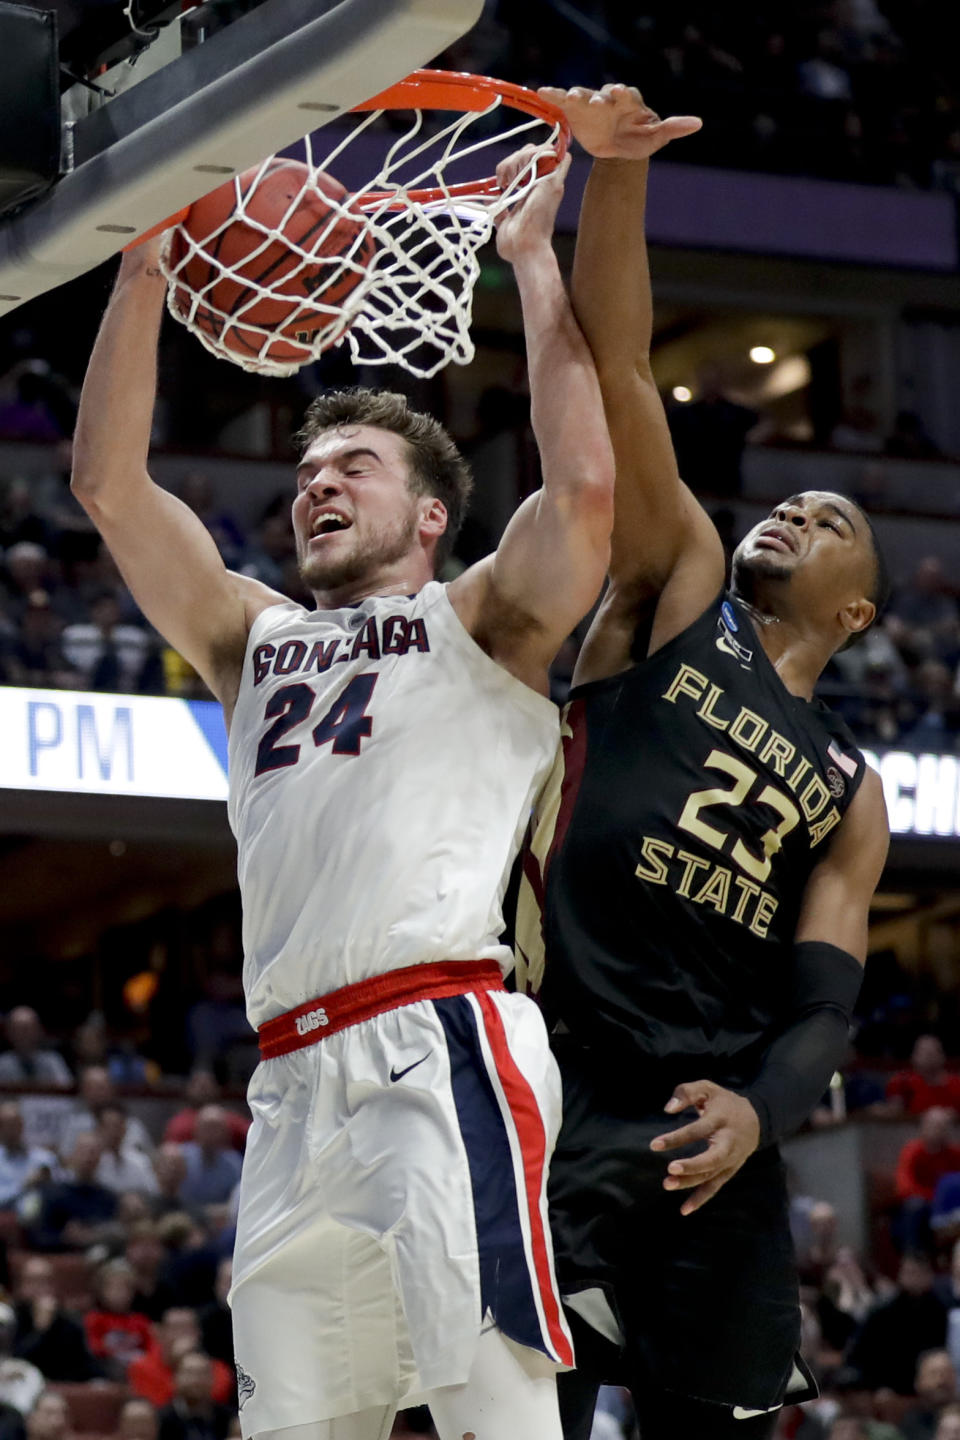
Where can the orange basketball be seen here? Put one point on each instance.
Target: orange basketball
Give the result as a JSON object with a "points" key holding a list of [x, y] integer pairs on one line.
{"points": [[317, 285]]}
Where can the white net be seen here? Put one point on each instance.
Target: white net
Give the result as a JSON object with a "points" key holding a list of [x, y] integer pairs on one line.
{"points": [[284, 261]]}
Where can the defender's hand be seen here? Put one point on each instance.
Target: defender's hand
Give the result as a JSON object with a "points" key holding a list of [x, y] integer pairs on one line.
{"points": [[731, 1129], [528, 226], [615, 124]]}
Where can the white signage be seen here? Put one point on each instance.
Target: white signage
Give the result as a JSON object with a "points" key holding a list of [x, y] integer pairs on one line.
{"points": [[112, 744], [922, 791]]}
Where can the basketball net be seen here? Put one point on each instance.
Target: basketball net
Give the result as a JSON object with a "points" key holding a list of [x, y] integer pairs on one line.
{"points": [[411, 304]]}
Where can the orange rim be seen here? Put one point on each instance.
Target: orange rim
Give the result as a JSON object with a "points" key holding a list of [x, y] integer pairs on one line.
{"points": [[456, 90]]}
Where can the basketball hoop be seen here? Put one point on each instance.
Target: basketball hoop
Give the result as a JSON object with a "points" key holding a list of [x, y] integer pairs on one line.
{"points": [[398, 248]]}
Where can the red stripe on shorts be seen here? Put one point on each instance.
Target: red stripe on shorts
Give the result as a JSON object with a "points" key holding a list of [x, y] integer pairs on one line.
{"points": [[320, 1018], [533, 1147]]}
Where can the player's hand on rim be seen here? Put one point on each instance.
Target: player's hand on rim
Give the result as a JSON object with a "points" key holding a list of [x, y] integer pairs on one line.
{"points": [[728, 1123], [528, 225], [615, 123]]}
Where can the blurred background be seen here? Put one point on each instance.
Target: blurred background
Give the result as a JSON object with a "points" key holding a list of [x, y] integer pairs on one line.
{"points": [[806, 272]]}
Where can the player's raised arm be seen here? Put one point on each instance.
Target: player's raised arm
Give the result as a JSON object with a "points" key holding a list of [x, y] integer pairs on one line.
{"points": [[163, 550], [550, 565], [661, 536]]}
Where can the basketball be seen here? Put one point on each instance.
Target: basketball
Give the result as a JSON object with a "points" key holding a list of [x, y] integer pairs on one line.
{"points": [[247, 229]]}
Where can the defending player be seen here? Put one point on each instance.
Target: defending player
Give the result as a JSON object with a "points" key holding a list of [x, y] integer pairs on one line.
{"points": [[385, 750], [708, 853]]}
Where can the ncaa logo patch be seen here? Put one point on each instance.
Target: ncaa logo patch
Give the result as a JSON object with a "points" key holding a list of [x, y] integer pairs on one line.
{"points": [[245, 1386], [729, 618]]}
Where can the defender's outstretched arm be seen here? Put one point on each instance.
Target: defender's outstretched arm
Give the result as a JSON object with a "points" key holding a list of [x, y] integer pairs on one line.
{"points": [[163, 550], [664, 546]]}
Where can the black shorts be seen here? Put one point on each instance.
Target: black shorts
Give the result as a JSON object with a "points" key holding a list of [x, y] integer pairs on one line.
{"points": [[707, 1304]]}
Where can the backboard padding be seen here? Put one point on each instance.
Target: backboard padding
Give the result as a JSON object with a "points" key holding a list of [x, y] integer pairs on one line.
{"points": [[249, 91]]}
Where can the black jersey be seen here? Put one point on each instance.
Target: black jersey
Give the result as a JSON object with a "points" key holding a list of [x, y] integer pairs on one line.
{"points": [[693, 798]]}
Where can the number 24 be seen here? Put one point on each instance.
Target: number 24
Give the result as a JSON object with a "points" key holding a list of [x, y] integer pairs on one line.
{"points": [[346, 723]]}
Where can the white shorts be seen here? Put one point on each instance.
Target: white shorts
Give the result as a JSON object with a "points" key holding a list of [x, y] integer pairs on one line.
{"points": [[394, 1195]]}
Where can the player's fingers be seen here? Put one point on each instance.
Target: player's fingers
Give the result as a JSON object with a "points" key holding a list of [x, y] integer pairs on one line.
{"points": [[705, 1192], [700, 1129], [690, 1092], [700, 1167], [510, 168], [676, 128]]}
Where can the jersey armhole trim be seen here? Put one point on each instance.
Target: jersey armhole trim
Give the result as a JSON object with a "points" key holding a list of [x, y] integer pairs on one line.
{"points": [[709, 614]]}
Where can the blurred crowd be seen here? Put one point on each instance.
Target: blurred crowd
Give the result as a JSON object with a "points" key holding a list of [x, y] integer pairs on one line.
{"points": [[67, 620], [863, 90], [118, 1200]]}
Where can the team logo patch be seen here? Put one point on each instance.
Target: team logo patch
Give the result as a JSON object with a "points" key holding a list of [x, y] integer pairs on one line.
{"points": [[836, 782], [245, 1386], [312, 1021]]}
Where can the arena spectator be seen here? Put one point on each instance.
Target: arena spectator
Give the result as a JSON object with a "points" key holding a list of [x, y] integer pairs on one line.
{"points": [[935, 1387], [109, 655], [76, 1212], [46, 1335], [116, 1332], [948, 1426], [924, 1161], [139, 1420], [28, 571], [899, 1329], [197, 492], [34, 405], [95, 1090], [819, 1251], [123, 1167], [202, 1089], [21, 1165], [145, 1255], [926, 1083], [213, 1166], [190, 1264], [922, 616], [20, 1381], [93, 1045], [848, 1427], [50, 1418], [170, 1169], [193, 1414], [152, 1376], [35, 656], [27, 1062], [847, 1397], [215, 1324], [269, 554]]}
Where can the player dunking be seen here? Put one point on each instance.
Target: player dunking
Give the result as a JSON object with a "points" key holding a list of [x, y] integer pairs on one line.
{"points": [[706, 857], [385, 750]]}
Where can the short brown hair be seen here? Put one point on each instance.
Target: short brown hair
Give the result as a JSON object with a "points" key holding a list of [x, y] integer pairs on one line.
{"points": [[436, 468]]}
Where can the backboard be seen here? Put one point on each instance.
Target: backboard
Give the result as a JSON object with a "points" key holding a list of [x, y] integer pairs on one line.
{"points": [[168, 124]]}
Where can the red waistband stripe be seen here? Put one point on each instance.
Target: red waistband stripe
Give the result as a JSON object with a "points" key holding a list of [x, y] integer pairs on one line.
{"points": [[320, 1018]]}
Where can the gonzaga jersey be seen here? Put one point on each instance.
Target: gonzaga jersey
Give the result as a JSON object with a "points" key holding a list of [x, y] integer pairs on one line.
{"points": [[382, 772], [693, 799]]}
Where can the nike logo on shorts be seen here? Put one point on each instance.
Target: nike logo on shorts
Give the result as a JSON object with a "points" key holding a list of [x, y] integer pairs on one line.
{"points": [[740, 1414], [399, 1074]]}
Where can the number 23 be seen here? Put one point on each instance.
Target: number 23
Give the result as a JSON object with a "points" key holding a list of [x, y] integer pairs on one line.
{"points": [[743, 776]]}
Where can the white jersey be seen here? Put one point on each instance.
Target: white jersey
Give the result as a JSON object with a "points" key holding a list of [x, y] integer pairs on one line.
{"points": [[382, 771]]}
